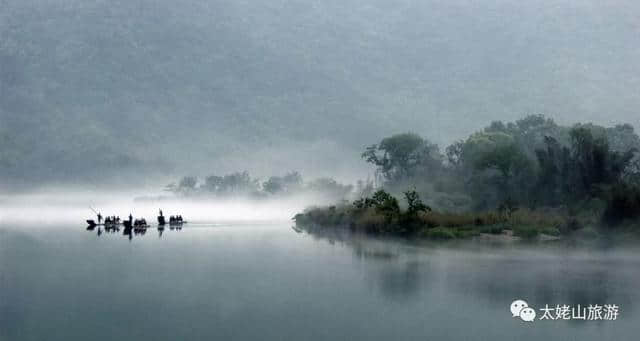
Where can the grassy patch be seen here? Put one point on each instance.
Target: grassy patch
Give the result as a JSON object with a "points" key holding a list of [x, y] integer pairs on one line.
{"points": [[378, 216], [442, 233]]}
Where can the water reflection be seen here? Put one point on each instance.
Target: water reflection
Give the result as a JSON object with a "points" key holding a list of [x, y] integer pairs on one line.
{"points": [[497, 273], [543, 281], [129, 232], [211, 282], [394, 270]]}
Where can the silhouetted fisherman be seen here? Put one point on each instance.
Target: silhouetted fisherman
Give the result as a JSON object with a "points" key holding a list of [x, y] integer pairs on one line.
{"points": [[130, 218], [161, 220], [99, 218]]}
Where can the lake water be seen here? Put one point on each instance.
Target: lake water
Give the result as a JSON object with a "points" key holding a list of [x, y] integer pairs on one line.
{"points": [[268, 282]]}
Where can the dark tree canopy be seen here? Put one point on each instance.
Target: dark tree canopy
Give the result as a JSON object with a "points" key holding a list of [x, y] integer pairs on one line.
{"points": [[531, 162], [402, 155]]}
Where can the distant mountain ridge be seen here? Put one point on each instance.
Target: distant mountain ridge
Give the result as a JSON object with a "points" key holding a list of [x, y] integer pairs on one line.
{"points": [[97, 89]]}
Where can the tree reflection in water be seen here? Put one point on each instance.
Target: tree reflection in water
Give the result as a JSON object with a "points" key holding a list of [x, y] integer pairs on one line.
{"points": [[496, 273]]}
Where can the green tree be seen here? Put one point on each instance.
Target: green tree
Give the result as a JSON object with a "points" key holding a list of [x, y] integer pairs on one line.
{"points": [[230, 184], [529, 133], [454, 154], [401, 156], [554, 180], [595, 163], [329, 188], [187, 183], [415, 204], [273, 185], [385, 204], [213, 183], [289, 183], [496, 169]]}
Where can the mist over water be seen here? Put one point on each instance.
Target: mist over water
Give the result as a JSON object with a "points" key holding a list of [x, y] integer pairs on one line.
{"points": [[239, 270], [55, 207], [265, 281]]}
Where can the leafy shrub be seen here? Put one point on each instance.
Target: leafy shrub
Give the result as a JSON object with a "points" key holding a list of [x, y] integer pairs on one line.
{"points": [[552, 231], [415, 203], [440, 233]]}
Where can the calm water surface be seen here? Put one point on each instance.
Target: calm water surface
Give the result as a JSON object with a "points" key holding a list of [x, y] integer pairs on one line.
{"points": [[267, 282]]}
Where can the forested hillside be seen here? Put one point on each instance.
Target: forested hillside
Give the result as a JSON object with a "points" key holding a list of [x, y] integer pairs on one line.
{"points": [[92, 89]]}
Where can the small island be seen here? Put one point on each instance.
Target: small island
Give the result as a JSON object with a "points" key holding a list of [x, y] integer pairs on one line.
{"points": [[529, 179]]}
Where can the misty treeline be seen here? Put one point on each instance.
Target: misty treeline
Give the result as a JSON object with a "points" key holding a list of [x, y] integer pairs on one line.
{"points": [[242, 184], [531, 177], [532, 163]]}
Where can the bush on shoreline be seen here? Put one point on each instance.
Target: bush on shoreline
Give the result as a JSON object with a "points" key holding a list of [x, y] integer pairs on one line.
{"points": [[381, 214]]}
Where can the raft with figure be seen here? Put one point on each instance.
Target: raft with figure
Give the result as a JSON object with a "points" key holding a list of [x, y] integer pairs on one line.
{"points": [[137, 224], [173, 220], [92, 223], [140, 224]]}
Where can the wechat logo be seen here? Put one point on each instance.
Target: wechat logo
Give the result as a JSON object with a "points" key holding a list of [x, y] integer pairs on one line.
{"points": [[520, 308]]}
